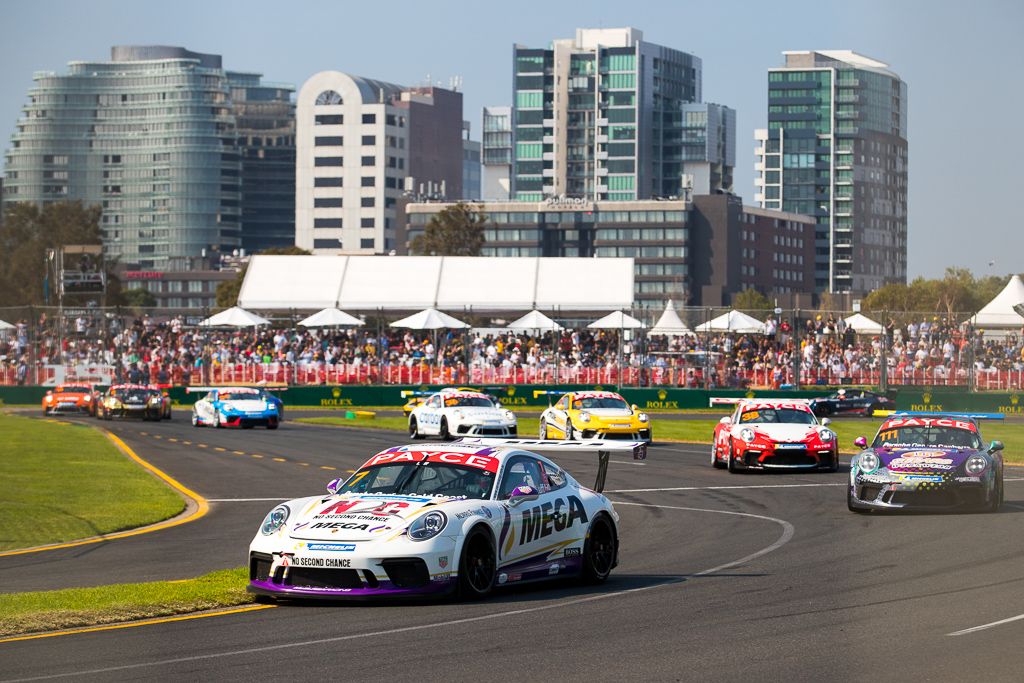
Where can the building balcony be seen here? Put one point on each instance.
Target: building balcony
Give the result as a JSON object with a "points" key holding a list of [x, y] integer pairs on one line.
{"points": [[758, 165], [548, 173], [601, 138], [601, 155], [602, 122], [548, 140], [548, 156], [602, 171], [548, 123]]}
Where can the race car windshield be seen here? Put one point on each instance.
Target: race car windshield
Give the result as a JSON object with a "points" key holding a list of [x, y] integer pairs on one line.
{"points": [[603, 402], [931, 436], [135, 394], [72, 390], [468, 402], [425, 479], [777, 415], [238, 395]]}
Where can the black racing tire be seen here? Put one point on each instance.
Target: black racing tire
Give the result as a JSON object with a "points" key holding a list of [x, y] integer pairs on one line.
{"points": [[715, 462], [216, 421], [870, 410], [414, 429], [543, 430], [599, 550], [443, 431], [272, 424], [107, 416], [732, 467], [478, 565], [834, 467], [996, 503], [195, 421], [570, 431], [247, 425], [264, 599]]}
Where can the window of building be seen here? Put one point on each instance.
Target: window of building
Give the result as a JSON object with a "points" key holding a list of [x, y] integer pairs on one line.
{"points": [[328, 97], [328, 141], [369, 139], [327, 244], [327, 182], [366, 222], [327, 223], [195, 286], [369, 118], [328, 161], [366, 243], [327, 202], [368, 181], [369, 161], [367, 202], [328, 120]]}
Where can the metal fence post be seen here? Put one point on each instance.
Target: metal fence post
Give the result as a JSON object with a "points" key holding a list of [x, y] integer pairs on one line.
{"points": [[797, 351]]}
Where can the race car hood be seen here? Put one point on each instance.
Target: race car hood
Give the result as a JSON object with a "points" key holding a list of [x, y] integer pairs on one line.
{"points": [[781, 432], [360, 517], [923, 459], [480, 414], [247, 405], [68, 396], [609, 413]]}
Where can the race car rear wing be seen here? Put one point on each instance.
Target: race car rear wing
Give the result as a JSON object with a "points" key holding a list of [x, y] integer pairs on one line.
{"points": [[925, 413], [604, 450], [731, 400], [226, 387]]}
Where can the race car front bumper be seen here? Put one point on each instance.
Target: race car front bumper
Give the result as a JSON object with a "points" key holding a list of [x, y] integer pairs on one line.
{"points": [[920, 491], [799, 457], [70, 409], [486, 430], [342, 570], [617, 433], [248, 419]]}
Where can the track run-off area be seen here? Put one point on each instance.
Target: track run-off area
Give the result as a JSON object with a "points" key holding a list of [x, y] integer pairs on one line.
{"points": [[721, 577]]}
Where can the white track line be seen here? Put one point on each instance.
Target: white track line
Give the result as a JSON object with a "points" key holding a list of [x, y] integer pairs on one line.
{"points": [[243, 500], [986, 626], [723, 488], [787, 533]]}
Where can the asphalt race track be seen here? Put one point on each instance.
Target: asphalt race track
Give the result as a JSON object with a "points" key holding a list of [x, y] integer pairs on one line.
{"points": [[722, 577]]}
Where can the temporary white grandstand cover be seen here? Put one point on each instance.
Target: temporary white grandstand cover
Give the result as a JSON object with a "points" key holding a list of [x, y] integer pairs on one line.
{"points": [[6, 325], [733, 321], [616, 320], [670, 324], [445, 282], [234, 317], [429, 319], [534, 320], [999, 312], [861, 324], [331, 317]]}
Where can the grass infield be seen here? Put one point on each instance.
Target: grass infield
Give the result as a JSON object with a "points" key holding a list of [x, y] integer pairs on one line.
{"points": [[61, 481]]}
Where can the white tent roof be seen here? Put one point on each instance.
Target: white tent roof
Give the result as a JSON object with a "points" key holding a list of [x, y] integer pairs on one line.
{"points": [[616, 320], [429, 319], [234, 317], [331, 317], [861, 324], [534, 320], [6, 325], [445, 282], [670, 324], [999, 312], [733, 321]]}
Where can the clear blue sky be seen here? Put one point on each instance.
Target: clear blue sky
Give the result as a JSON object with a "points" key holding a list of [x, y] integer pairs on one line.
{"points": [[962, 63]]}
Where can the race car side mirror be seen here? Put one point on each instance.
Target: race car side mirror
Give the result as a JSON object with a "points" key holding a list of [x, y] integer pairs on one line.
{"points": [[634, 407], [726, 420], [825, 422], [522, 494], [860, 442], [49, 392], [334, 484], [995, 446]]}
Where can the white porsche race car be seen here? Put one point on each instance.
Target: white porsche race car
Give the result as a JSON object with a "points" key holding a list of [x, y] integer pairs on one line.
{"points": [[428, 520], [461, 413]]}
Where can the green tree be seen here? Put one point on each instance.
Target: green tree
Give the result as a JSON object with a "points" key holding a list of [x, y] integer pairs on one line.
{"points": [[138, 298], [228, 291], [751, 300], [27, 232], [455, 231]]}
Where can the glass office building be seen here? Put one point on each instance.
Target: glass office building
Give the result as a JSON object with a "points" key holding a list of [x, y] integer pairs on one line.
{"points": [[836, 149], [150, 136]]}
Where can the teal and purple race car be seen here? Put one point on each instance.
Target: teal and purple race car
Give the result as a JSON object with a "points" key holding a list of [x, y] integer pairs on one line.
{"points": [[927, 462]]}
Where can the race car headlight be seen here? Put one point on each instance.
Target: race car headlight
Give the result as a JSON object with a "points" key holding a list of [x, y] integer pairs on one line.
{"points": [[868, 462], [747, 435], [88, 398], [826, 435], [275, 520], [584, 417], [509, 415], [642, 417], [975, 465], [227, 406], [428, 526]]}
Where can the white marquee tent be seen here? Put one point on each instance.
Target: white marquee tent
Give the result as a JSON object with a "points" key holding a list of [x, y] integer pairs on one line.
{"points": [[534, 320], [670, 324], [733, 321], [861, 324], [999, 312], [616, 320], [5, 326], [430, 319], [446, 282], [234, 317], [331, 317]]}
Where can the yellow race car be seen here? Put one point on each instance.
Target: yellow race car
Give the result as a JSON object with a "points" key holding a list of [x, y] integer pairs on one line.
{"points": [[593, 415]]}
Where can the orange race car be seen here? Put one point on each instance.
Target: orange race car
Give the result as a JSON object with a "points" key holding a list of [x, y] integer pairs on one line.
{"points": [[70, 398]]}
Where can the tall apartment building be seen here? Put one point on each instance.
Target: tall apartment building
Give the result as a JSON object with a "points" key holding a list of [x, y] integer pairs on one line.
{"points": [[360, 144], [836, 149], [149, 135], [471, 168], [265, 121], [496, 154], [601, 116]]}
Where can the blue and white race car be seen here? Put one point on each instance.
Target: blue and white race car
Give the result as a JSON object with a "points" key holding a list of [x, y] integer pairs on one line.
{"points": [[244, 407]]}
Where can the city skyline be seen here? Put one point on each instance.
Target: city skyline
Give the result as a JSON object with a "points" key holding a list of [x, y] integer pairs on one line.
{"points": [[952, 149]]}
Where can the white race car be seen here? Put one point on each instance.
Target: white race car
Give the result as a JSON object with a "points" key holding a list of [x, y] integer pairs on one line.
{"points": [[461, 413], [429, 520], [244, 407]]}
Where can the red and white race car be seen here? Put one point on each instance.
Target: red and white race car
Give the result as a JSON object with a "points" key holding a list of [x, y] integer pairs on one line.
{"points": [[765, 434]]}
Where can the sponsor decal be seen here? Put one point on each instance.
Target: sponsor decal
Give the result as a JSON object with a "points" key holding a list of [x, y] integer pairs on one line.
{"points": [[341, 525], [322, 562], [573, 552], [475, 511], [921, 477], [662, 404], [476, 460], [503, 578], [442, 561], [441, 576], [543, 520], [967, 479], [928, 422], [789, 445], [552, 570], [332, 547], [921, 463]]}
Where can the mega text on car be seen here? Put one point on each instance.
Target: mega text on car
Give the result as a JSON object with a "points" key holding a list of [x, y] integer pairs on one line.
{"points": [[773, 434], [426, 520], [926, 462]]}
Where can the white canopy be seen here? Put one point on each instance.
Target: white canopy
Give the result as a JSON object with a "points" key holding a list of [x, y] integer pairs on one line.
{"points": [[999, 312], [534, 320], [234, 317], [6, 325], [429, 319], [861, 324], [447, 282], [733, 321], [331, 317], [616, 320], [670, 324]]}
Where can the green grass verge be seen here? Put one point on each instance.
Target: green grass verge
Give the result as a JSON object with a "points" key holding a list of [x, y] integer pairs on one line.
{"points": [[61, 481], [700, 431], [77, 607]]}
